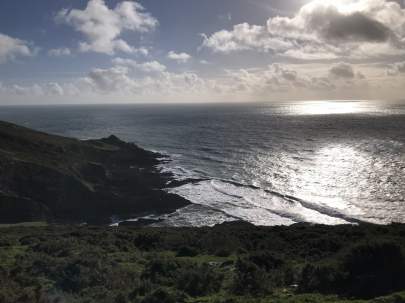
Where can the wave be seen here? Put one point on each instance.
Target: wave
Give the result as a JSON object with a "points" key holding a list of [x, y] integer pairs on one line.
{"points": [[291, 207], [249, 202], [323, 209]]}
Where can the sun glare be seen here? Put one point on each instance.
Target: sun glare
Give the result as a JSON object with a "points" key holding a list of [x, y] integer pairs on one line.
{"points": [[328, 107]]}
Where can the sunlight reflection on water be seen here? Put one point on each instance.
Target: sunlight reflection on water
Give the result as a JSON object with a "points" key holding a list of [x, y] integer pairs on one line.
{"points": [[331, 107]]}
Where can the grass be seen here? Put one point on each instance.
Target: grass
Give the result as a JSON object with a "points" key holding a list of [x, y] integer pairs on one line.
{"points": [[9, 254], [25, 224]]}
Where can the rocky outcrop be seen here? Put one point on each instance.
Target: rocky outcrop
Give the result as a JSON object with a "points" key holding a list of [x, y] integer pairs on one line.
{"points": [[47, 177]]}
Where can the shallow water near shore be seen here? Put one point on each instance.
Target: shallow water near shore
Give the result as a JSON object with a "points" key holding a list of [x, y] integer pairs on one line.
{"points": [[328, 162]]}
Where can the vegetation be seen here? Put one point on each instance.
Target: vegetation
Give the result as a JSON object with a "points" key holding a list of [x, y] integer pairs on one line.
{"points": [[229, 263]]}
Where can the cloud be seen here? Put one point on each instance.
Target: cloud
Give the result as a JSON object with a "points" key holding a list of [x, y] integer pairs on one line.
{"points": [[146, 67], [276, 78], [102, 26], [225, 17], [130, 81], [322, 29], [119, 81], [58, 52], [244, 37], [50, 89], [342, 70], [10, 48], [396, 69], [110, 80], [334, 26], [288, 80], [179, 57], [141, 51], [360, 76], [54, 89]]}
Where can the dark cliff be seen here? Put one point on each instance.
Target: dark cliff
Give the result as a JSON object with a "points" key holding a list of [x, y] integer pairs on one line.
{"points": [[53, 178]]}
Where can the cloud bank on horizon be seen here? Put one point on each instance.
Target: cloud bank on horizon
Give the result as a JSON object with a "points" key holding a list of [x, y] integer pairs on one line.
{"points": [[133, 51]]}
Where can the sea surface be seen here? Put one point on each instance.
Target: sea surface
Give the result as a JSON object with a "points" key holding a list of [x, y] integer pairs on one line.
{"points": [[327, 162]]}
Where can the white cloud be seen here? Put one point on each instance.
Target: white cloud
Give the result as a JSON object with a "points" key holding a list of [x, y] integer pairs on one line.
{"points": [[147, 67], [16, 89], [46, 89], [141, 51], [296, 81], [54, 89], [119, 81], [179, 57], [58, 52], [244, 37], [110, 80], [322, 29], [102, 26], [10, 48], [128, 80]]}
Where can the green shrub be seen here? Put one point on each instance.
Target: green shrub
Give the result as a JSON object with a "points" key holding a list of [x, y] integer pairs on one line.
{"points": [[198, 280], [321, 278], [161, 270], [162, 295], [250, 279], [368, 270], [187, 251], [223, 252], [374, 269]]}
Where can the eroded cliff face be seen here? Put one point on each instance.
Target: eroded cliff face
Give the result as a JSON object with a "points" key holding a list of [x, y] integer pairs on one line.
{"points": [[47, 177]]}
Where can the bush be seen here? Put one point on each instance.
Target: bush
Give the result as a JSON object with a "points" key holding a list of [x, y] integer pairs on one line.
{"points": [[374, 269], [162, 295], [250, 279], [366, 271], [223, 252], [187, 251], [199, 280], [161, 270], [321, 278]]}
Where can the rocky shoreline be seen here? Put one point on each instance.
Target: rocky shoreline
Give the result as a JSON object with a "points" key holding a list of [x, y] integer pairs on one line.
{"points": [[51, 178]]}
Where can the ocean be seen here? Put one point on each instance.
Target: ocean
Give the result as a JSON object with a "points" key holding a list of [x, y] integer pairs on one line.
{"points": [[328, 162]]}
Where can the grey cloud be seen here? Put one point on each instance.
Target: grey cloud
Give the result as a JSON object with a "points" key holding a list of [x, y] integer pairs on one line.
{"points": [[342, 70], [355, 27], [322, 83], [396, 69], [360, 75]]}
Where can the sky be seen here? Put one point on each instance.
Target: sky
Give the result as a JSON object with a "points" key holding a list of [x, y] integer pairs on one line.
{"points": [[114, 51]]}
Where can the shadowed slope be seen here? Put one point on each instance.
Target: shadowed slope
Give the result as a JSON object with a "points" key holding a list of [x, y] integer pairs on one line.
{"points": [[47, 177]]}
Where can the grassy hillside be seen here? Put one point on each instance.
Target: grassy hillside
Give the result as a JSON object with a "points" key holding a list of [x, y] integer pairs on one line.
{"points": [[230, 263], [52, 178]]}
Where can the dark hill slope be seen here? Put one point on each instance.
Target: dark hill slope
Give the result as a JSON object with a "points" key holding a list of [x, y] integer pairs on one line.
{"points": [[47, 177]]}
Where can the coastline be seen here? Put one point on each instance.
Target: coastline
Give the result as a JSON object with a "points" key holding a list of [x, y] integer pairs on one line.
{"points": [[58, 179]]}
